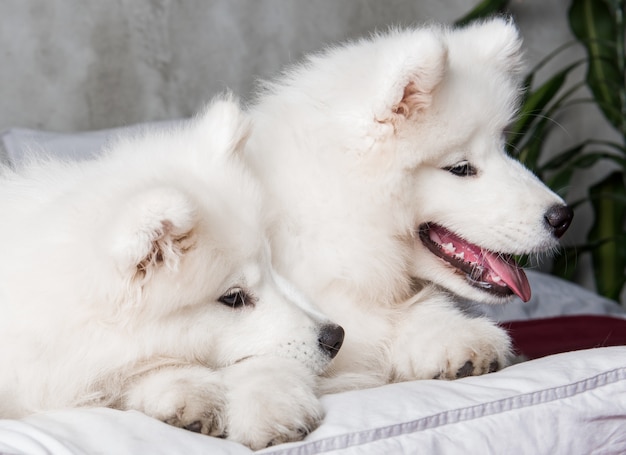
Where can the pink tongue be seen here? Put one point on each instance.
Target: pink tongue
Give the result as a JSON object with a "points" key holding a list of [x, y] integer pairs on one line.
{"points": [[513, 276]]}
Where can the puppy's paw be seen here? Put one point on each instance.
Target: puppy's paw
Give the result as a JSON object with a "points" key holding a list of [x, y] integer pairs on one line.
{"points": [[191, 398], [443, 343], [201, 411], [481, 348], [271, 401]]}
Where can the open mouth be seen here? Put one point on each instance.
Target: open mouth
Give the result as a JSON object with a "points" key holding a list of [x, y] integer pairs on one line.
{"points": [[496, 273]]}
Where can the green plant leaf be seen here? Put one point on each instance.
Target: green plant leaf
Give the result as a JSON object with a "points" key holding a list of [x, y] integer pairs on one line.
{"points": [[534, 108], [560, 181], [608, 199], [484, 9], [563, 158], [532, 150], [609, 144], [533, 140], [590, 158], [595, 26], [565, 260]]}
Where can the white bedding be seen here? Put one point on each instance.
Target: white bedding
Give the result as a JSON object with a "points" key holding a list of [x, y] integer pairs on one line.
{"points": [[570, 403]]}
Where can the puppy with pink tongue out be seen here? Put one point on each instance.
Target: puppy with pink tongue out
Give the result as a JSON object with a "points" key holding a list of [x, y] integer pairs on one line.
{"points": [[390, 193]]}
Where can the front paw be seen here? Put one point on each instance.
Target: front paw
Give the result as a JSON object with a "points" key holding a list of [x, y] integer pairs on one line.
{"points": [[191, 398], [271, 401], [453, 349], [481, 347], [197, 412]]}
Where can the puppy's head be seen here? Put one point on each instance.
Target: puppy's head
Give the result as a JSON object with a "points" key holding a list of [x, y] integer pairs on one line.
{"points": [[193, 266], [476, 207], [417, 117], [473, 206]]}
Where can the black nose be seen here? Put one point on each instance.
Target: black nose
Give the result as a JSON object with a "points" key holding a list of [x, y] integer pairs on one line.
{"points": [[558, 218], [330, 339]]}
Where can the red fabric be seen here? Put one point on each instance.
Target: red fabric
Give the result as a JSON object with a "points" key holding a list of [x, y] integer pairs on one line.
{"points": [[541, 337]]}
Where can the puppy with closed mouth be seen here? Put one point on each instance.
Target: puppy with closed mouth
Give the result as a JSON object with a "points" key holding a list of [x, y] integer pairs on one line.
{"points": [[142, 280], [389, 194]]}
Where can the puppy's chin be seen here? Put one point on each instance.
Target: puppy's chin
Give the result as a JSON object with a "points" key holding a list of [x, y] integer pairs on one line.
{"points": [[462, 288]]}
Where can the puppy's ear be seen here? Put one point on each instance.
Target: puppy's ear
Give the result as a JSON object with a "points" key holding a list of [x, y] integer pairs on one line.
{"points": [[418, 76], [222, 126], [495, 42], [154, 230]]}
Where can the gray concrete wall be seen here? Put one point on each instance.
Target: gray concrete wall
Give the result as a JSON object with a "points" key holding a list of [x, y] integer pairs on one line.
{"points": [[88, 64]]}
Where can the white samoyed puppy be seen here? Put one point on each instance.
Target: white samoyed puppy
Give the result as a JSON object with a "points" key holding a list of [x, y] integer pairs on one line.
{"points": [[141, 280], [389, 191]]}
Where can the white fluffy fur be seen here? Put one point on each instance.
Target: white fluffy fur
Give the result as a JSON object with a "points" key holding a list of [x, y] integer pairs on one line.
{"points": [[111, 273], [352, 147]]}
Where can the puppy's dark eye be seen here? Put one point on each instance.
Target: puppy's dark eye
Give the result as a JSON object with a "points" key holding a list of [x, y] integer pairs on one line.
{"points": [[236, 298], [462, 169]]}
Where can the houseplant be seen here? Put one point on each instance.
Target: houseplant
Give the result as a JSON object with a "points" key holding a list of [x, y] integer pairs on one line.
{"points": [[598, 26]]}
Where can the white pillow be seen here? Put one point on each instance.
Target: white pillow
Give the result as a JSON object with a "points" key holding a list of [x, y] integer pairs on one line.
{"points": [[573, 403]]}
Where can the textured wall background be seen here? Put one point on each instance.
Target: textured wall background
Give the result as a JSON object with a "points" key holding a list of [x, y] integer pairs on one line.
{"points": [[88, 64], [71, 65]]}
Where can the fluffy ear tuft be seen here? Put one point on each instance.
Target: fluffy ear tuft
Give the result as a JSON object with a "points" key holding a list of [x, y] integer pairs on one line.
{"points": [[223, 126], [420, 74], [496, 42], [154, 231], [418, 92]]}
